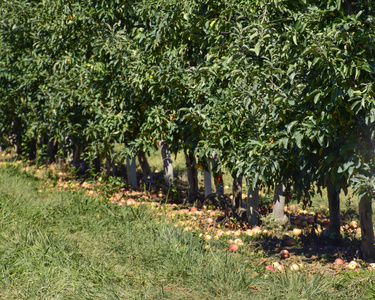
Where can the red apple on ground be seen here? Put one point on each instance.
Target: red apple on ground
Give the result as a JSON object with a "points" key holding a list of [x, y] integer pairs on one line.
{"points": [[233, 248], [339, 261], [284, 253], [270, 268], [193, 209], [130, 201]]}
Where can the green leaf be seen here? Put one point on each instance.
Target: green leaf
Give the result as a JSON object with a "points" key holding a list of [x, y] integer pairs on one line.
{"points": [[298, 138], [295, 39], [257, 48], [316, 97]]}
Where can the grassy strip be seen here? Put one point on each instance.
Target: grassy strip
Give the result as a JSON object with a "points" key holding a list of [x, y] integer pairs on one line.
{"points": [[65, 245]]}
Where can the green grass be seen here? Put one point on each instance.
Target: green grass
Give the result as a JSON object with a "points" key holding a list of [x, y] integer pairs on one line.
{"points": [[65, 245]]}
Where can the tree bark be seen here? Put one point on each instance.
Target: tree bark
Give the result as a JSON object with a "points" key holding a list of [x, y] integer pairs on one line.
{"points": [[207, 179], [252, 213], [237, 194], [348, 7], [333, 192], [367, 230], [31, 149], [52, 147], [131, 171], [77, 156], [146, 170], [167, 164], [218, 185], [96, 164], [110, 166], [279, 203], [192, 175]]}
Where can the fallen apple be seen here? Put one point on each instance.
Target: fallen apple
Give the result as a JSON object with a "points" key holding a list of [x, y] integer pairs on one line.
{"points": [[256, 230], [208, 237], [284, 253], [193, 209], [294, 267], [233, 248], [280, 267], [130, 201], [339, 261], [270, 268], [238, 241], [290, 242], [297, 231], [249, 232], [353, 224], [275, 264]]}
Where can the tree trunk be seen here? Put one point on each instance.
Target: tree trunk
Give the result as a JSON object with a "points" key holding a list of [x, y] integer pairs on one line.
{"points": [[110, 166], [237, 194], [146, 170], [252, 206], [192, 175], [207, 180], [31, 149], [367, 230], [279, 203], [60, 155], [77, 156], [96, 164], [167, 163], [217, 172], [51, 150], [348, 7], [333, 192], [131, 171]]}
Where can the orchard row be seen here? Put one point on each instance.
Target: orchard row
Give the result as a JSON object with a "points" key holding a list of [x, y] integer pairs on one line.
{"points": [[277, 92]]}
